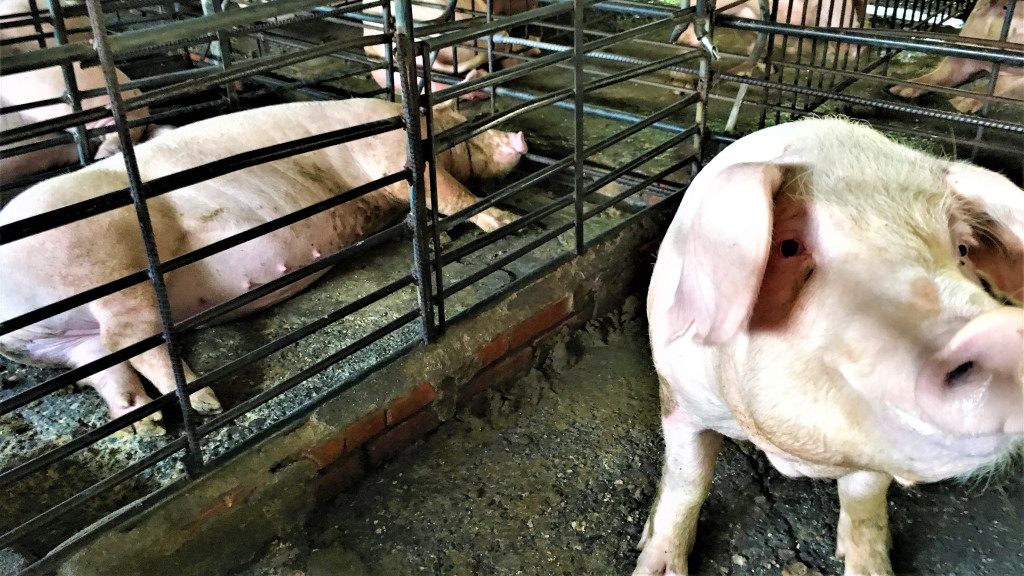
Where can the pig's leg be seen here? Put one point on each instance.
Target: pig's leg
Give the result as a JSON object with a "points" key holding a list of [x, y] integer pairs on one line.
{"points": [[672, 526], [863, 531], [131, 315], [118, 385], [950, 72], [452, 196], [1007, 85]]}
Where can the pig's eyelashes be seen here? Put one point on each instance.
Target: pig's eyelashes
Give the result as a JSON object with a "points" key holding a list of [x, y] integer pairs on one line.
{"points": [[789, 248]]}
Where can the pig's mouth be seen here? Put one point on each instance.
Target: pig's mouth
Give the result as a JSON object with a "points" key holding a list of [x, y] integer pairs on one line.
{"points": [[978, 448]]}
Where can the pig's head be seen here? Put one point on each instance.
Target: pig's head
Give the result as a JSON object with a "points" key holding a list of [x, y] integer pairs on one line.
{"points": [[490, 154], [858, 291]]}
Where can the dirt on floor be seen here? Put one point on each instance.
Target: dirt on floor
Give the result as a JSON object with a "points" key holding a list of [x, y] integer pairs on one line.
{"points": [[555, 474]]}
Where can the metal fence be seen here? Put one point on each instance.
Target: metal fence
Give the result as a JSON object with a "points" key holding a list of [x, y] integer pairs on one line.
{"points": [[618, 120]]}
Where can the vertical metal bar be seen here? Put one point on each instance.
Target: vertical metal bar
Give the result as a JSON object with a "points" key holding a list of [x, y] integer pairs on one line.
{"points": [[490, 55], [193, 455], [406, 60], [389, 56], [703, 86], [431, 152], [993, 76], [72, 96], [221, 50], [37, 23], [579, 84]]}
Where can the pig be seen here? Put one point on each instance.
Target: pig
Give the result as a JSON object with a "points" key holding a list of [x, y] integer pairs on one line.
{"points": [[985, 21], [840, 301], [460, 61], [107, 246], [48, 83], [825, 14]]}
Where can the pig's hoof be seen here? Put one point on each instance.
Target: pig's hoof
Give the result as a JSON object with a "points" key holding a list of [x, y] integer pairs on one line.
{"points": [[491, 219], [905, 92], [658, 559], [205, 402], [151, 425], [965, 104]]}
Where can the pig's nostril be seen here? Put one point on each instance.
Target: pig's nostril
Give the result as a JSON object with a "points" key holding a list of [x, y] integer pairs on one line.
{"points": [[956, 376]]}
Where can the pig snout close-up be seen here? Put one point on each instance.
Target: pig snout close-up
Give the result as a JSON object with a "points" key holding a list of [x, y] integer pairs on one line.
{"points": [[850, 306], [985, 21], [107, 246]]}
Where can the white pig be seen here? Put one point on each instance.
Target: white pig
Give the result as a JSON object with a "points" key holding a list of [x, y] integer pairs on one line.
{"points": [[985, 21], [818, 294], [107, 246], [48, 83]]}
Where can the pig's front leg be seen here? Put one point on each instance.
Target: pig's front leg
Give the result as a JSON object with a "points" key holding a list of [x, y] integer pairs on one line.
{"points": [[950, 72], [668, 536], [131, 315], [863, 532], [452, 196]]}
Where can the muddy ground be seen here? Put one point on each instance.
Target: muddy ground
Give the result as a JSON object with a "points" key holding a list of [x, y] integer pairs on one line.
{"points": [[555, 475]]}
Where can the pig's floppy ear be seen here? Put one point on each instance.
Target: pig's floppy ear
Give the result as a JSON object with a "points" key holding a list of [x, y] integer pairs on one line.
{"points": [[725, 252], [998, 210]]}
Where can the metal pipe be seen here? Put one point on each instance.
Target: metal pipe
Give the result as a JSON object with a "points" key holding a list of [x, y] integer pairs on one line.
{"points": [[579, 140], [193, 455]]}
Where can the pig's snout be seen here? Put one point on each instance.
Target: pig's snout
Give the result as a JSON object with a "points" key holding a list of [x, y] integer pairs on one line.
{"points": [[518, 142], [975, 384]]}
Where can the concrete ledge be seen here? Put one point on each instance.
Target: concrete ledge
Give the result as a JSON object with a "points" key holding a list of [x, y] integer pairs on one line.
{"points": [[268, 491]]}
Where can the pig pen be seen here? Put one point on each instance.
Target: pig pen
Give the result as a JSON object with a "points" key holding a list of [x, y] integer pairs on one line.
{"points": [[314, 418]]}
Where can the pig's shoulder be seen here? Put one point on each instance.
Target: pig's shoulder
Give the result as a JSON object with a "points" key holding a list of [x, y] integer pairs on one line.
{"points": [[64, 190]]}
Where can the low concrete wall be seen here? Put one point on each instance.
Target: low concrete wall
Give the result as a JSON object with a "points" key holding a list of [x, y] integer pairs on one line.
{"points": [[225, 518]]}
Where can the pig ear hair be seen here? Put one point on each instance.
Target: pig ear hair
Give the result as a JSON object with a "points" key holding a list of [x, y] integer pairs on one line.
{"points": [[725, 251], [995, 209]]}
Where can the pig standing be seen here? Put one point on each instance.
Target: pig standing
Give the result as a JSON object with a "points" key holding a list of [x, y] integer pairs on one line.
{"points": [[107, 246], [985, 21], [48, 83], [838, 300]]}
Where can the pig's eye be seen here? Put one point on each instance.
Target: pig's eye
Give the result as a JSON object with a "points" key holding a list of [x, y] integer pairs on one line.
{"points": [[789, 248], [963, 250]]}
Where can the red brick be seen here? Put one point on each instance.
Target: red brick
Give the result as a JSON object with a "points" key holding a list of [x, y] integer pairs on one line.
{"points": [[534, 325], [573, 323], [328, 451], [493, 350], [359, 432], [388, 445], [516, 364], [651, 199], [226, 500], [338, 476], [407, 405]]}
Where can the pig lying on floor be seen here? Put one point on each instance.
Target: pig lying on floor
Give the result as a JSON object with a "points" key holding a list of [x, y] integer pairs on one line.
{"points": [[985, 21], [56, 264], [824, 293], [48, 83]]}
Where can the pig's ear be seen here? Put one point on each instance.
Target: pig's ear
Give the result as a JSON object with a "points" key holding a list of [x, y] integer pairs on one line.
{"points": [[725, 252], [998, 214]]}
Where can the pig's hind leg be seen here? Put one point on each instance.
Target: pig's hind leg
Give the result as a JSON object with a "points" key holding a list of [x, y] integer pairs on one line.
{"points": [[669, 534], [949, 72], [130, 316], [862, 537]]}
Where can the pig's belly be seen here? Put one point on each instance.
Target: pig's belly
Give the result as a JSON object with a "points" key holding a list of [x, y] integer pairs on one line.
{"points": [[229, 274]]}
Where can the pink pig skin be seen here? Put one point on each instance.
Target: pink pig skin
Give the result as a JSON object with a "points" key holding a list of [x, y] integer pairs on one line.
{"points": [[985, 21], [48, 83], [107, 246], [818, 294]]}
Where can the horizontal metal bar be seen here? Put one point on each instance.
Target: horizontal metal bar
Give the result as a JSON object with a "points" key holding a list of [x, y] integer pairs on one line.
{"points": [[639, 125], [963, 47], [498, 24], [209, 314], [172, 33], [647, 156], [668, 204], [633, 189], [81, 497], [508, 74], [74, 375], [512, 286], [106, 202], [307, 373]]}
